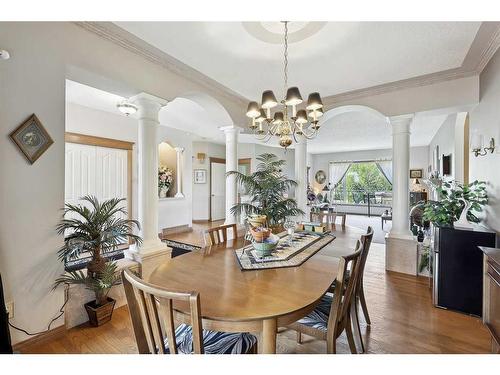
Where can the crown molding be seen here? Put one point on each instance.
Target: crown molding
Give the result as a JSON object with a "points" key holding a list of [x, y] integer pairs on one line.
{"points": [[124, 39], [482, 49]]}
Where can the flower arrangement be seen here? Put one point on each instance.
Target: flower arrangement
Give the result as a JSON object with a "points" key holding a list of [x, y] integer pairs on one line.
{"points": [[165, 177]]}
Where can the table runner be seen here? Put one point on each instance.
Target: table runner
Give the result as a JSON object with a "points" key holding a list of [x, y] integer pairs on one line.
{"points": [[304, 245]]}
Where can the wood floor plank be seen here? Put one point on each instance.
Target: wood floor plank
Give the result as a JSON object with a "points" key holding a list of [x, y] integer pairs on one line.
{"points": [[400, 307]]}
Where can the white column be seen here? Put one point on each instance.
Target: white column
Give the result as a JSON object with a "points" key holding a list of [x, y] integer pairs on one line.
{"points": [[301, 174], [400, 176], [231, 133], [180, 175], [148, 110]]}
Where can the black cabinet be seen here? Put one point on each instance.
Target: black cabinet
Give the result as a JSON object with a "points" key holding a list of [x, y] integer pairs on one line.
{"points": [[458, 268]]}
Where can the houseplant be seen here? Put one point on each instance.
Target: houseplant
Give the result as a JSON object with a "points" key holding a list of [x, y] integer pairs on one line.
{"points": [[96, 228], [267, 187], [453, 199], [101, 309], [165, 179]]}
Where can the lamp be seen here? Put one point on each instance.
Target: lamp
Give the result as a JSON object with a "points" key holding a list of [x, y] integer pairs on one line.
{"points": [[126, 108], [314, 102], [201, 157], [477, 145], [286, 123]]}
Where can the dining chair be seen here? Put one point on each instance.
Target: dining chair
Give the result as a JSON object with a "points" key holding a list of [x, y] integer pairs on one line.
{"points": [[152, 314], [216, 235], [360, 299], [320, 217], [332, 315]]}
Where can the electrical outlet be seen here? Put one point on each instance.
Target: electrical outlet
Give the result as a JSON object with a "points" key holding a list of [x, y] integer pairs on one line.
{"points": [[10, 308]]}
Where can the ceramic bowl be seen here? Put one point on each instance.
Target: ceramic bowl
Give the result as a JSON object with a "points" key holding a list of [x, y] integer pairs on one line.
{"points": [[266, 247]]}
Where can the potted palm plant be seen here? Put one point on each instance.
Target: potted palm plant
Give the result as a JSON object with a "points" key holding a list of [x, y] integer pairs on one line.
{"points": [[96, 228], [267, 188]]}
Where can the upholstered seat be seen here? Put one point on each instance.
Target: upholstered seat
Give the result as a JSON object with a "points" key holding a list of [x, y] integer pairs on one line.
{"points": [[214, 342], [318, 318]]}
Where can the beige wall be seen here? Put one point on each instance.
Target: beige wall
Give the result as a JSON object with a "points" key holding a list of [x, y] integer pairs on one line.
{"points": [[485, 119]]}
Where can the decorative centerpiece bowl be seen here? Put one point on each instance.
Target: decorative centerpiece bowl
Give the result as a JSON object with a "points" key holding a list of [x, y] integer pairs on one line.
{"points": [[257, 220], [266, 247], [259, 234]]}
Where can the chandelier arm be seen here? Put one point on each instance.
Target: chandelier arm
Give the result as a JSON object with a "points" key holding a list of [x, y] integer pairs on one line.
{"points": [[310, 135]]}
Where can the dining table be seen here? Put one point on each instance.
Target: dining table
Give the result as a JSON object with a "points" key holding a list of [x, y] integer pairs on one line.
{"points": [[256, 301]]}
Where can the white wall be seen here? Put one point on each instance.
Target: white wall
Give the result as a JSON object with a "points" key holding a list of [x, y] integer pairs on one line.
{"points": [[485, 119], [445, 139]]}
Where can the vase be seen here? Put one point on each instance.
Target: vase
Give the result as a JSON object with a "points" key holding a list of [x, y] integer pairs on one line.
{"points": [[163, 192], [462, 221]]}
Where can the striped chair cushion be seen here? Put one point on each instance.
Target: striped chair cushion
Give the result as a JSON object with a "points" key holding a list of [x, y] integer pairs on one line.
{"points": [[213, 342], [318, 318]]}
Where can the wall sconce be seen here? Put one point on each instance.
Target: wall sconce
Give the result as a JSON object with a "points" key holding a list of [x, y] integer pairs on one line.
{"points": [[201, 156], [477, 146]]}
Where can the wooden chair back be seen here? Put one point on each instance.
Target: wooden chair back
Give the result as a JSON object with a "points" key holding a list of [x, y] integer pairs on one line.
{"points": [[152, 315], [319, 216], [216, 235], [339, 311], [366, 240]]}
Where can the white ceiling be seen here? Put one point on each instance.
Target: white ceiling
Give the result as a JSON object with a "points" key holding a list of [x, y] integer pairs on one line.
{"points": [[331, 57], [345, 132]]}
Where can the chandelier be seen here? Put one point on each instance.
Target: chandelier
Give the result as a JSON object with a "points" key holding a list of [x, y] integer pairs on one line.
{"points": [[289, 122]]}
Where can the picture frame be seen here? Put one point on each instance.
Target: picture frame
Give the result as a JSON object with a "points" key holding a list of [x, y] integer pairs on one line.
{"points": [[200, 176], [416, 173], [31, 138]]}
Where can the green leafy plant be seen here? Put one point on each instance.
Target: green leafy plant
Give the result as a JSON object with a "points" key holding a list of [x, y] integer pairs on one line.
{"points": [[448, 209], [267, 187], [98, 229], [100, 285]]}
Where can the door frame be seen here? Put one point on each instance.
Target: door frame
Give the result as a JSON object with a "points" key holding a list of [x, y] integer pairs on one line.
{"points": [[90, 140], [241, 161]]}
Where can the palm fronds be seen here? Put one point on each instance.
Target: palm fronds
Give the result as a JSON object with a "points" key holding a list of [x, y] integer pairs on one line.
{"points": [[267, 187], [95, 227]]}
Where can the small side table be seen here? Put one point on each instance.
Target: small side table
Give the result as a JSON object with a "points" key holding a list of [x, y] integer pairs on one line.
{"points": [[384, 217]]}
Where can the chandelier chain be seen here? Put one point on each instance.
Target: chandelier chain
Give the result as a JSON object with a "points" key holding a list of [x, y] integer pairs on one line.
{"points": [[285, 66]]}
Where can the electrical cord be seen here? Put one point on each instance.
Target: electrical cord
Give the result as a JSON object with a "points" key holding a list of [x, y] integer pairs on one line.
{"points": [[61, 312]]}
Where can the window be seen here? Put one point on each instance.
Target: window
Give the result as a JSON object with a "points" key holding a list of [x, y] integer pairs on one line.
{"points": [[361, 181]]}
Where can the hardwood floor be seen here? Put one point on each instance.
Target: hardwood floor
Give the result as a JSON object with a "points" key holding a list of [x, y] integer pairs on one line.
{"points": [[403, 320]]}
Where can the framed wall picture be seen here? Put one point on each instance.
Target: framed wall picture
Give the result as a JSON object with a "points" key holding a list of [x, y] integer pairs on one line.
{"points": [[200, 176], [31, 138], [416, 173]]}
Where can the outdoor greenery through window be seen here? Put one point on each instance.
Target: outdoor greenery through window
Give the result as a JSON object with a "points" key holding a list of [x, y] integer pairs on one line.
{"points": [[363, 181]]}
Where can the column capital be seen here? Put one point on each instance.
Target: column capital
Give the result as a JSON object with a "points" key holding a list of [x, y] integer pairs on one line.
{"points": [[401, 123], [148, 105], [179, 150], [230, 129]]}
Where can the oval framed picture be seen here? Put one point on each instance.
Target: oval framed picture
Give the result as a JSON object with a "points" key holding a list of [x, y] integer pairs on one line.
{"points": [[320, 177]]}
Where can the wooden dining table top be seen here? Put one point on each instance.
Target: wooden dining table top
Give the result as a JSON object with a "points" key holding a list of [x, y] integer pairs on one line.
{"points": [[229, 294]]}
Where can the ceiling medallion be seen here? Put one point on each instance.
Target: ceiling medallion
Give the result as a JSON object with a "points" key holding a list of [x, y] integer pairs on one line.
{"points": [[288, 124]]}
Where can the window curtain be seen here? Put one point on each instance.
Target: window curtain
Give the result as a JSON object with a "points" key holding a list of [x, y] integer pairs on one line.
{"points": [[386, 168], [337, 173]]}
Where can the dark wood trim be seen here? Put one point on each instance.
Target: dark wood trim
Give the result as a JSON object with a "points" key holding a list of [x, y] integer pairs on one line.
{"points": [[217, 160], [53, 334], [245, 161], [200, 221], [91, 140]]}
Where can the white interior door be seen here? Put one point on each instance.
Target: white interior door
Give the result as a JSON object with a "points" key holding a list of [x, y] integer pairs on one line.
{"points": [[93, 170], [218, 191]]}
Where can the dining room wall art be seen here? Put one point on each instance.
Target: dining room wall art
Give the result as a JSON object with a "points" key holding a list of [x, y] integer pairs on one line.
{"points": [[31, 138]]}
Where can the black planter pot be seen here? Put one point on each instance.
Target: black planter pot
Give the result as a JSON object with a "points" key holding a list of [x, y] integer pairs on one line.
{"points": [[98, 315]]}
